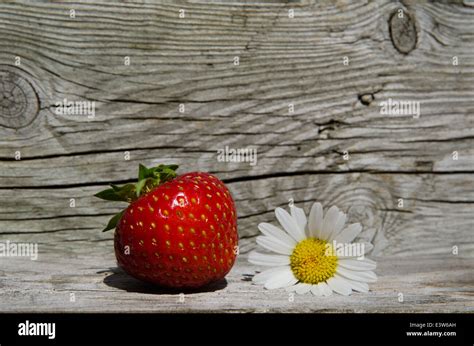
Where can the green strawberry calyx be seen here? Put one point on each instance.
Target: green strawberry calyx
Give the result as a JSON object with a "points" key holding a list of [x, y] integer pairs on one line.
{"points": [[148, 179]]}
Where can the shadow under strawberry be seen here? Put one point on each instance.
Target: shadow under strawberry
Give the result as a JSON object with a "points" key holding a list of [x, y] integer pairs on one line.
{"points": [[121, 280]]}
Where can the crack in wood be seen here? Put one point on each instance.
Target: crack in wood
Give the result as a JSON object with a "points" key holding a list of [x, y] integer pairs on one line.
{"points": [[395, 210], [47, 231], [57, 217], [89, 152], [448, 201], [246, 178]]}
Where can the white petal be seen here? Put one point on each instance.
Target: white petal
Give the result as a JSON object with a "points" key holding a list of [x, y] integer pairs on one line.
{"points": [[289, 224], [341, 221], [349, 233], [315, 220], [268, 260], [275, 232], [363, 276], [358, 286], [303, 288], [299, 216], [325, 289], [339, 285], [359, 265], [274, 245], [316, 290], [284, 278], [329, 222], [262, 277]]}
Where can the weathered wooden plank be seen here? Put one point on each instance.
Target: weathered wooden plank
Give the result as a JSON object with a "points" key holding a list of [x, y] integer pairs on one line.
{"points": [[436, 213], [411, 155], [282, 61], [433, 284]]}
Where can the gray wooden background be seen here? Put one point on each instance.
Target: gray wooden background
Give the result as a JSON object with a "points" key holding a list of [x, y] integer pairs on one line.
{"points": [[426, 56]]}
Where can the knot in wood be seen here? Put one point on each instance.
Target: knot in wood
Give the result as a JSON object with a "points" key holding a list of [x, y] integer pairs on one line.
{"points": [[19, 104], [403, 31], [366, 99]]}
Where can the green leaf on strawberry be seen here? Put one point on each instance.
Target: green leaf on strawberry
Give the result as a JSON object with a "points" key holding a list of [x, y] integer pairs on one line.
{"points": [[142, 172], [108, 195], [113, 221], [148, 179]]}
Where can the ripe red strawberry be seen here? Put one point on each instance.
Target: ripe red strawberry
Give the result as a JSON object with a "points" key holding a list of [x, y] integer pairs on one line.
{"points": [[178, 231]]}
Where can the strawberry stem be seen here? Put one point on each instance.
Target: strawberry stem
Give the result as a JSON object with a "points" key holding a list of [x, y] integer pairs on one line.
{"points": [[148, 179]]}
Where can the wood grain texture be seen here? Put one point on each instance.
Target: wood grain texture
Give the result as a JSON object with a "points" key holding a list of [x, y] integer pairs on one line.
{"points": [[282, 61], [436, 208], [430, 284]]}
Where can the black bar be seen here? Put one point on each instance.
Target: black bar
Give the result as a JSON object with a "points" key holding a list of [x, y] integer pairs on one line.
{"points": [[222, 329]]}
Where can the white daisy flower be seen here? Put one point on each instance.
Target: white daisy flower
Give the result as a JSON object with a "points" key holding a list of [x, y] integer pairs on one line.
{"points": [[316, 255]]}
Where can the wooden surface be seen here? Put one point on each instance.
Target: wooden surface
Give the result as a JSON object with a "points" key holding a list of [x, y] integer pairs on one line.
{"points": [[283, 61], [432, 284]]}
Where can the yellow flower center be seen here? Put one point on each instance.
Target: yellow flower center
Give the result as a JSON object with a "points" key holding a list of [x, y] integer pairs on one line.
{"points": [[313, 261]]}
